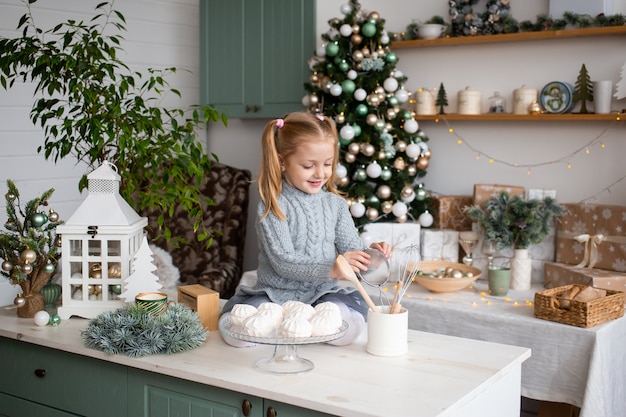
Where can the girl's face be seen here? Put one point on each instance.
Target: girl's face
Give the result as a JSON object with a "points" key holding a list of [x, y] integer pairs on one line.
{"points": [[311, 166]]}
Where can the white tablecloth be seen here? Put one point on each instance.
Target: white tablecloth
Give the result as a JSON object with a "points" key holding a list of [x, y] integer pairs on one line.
{"points": [[583, 367]]}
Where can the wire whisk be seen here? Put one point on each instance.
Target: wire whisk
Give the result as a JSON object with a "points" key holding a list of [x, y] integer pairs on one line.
{"points": [[405, 263]]}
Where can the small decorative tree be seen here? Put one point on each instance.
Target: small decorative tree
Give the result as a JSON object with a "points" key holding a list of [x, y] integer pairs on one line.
{"points": [[29, 248], [142, 278], [583, 90], [442, 99]]}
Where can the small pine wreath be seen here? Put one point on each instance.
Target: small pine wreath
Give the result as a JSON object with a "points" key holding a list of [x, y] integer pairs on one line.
{"points": [[133, 332]]}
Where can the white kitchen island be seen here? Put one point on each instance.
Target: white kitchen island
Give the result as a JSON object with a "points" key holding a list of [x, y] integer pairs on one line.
{"points": [[439, 376]]}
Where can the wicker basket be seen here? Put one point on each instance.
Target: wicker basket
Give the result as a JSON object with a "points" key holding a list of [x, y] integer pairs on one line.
{"points": [[581, 314]]}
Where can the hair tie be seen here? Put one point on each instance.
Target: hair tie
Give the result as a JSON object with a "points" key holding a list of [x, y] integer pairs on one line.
{"points": [[320, 116], [280, 123]]}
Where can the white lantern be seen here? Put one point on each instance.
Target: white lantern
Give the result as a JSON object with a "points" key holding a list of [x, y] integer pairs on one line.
{"points": [[99, 242]]}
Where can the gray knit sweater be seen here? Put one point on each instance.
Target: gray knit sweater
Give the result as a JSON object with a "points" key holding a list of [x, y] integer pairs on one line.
{"points": [[296, 255]]}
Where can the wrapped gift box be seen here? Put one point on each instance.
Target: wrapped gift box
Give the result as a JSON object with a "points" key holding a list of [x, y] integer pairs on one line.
{"points": [[484, 192], [591, 7], [593, 236], [398, 235], [448, 212], [559, 274], [440, 245]]}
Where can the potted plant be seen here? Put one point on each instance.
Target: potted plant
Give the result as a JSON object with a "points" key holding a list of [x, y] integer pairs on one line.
{"points": [[93, 108], [515, 222], [29, 249]]}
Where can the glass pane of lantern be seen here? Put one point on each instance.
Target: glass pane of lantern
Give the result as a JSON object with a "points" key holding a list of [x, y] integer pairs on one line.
{"points": [[95, 247], [77, 292], [114, 291], [95, 270], [95, 292], [115, 248], [76, 247], [76, 268], [115, 270]]}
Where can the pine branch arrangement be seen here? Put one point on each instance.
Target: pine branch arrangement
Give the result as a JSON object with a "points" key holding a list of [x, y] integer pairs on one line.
{"points": [[133, 332], [514, 221]]}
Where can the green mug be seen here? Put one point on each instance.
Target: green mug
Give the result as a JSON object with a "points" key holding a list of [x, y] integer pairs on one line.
{"points": [[154, 303]]}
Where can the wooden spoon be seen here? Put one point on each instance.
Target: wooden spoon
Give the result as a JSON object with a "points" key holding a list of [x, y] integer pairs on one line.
{"points": [[349, 274]]}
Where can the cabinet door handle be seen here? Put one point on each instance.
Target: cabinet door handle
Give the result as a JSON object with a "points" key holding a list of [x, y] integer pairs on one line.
{"points": [[40, 373], [271, 412], [254, 108], [246, 407]]}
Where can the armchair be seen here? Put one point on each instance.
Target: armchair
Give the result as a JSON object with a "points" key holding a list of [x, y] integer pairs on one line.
{"points": [[219, 267]]}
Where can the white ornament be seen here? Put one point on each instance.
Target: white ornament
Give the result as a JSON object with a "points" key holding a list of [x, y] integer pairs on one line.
{"points": [[390, 85], [341, 171], [398, 74], [384, 38], [305, 101], [413, 150], [425, 219], [357, 210], [410, 126], [347, 132], [336, 90], [352, 74], [360, 94], [373, 170], [399, 209], [346, 8], [367, 239], [42, 318], [321, 50], [402, 95], [345, 30]]}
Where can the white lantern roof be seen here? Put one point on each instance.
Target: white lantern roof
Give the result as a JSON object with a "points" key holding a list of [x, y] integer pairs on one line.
{"points": [[104, 206]]}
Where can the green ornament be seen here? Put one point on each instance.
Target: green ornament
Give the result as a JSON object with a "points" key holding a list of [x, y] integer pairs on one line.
{"points": [[361, 110], [380, 125], [357, 130], [38, 219], [116, 289], [360, 175], [393, 101], [49, 268], [385, 174], [332, 49], [368, 30], [344, 66], [55, 320], [391, 58], [348, 86]]}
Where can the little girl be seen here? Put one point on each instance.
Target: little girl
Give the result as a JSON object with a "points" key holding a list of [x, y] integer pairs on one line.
{"points": [[303, 224]]}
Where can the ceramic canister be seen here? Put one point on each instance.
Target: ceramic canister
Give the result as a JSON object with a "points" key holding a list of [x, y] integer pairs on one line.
{"points": [[522, 99], [469, 101], [425, 102]]}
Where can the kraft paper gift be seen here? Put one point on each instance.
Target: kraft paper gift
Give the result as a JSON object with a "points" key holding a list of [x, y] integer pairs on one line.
{"points": [[484, 192], [592, 236], [559, 274], [448, 212]]}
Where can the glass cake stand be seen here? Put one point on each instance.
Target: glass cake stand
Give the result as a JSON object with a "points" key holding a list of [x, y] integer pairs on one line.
{"points": [[285, 359]]}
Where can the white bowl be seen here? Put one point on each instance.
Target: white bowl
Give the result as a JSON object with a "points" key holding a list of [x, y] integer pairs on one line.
{"points": [[431, 30]]}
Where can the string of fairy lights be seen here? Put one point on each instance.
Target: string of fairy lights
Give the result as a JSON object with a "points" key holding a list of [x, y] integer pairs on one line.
{"points": [[597, 141]]}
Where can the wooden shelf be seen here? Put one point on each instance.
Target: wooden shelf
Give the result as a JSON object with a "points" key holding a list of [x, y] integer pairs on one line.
{"points": [[524, 117], [511, 37]]}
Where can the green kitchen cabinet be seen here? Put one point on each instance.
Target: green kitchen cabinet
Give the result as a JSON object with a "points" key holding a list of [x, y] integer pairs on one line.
{"points": [[254, 55], [36, 379]]}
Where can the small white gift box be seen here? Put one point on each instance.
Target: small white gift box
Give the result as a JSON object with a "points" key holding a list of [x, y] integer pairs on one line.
{"points": [[440, 245]]}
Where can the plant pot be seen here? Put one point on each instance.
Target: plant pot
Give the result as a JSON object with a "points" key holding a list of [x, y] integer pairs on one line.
{"points": [[499, 280], [521, 269]]}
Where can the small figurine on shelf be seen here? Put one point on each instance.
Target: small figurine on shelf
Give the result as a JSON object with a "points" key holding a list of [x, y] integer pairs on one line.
{"points": [[442, 99], [29, 248], [583, 90]]}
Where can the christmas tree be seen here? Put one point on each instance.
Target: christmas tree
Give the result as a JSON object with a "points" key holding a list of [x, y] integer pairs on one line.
{"points": [[383, 153], [142, 278], [583, 90]]}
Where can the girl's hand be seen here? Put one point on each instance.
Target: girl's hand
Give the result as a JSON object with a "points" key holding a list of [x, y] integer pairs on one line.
{"points": [[384, 247], [357, 259]]}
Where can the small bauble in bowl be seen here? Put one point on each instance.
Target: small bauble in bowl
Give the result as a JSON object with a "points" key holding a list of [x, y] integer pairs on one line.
{"points": [[446, 277]]}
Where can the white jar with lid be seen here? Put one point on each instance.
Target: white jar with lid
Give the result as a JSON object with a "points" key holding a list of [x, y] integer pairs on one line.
{"points": [[469, 101], [522, 99], [425, 102]]}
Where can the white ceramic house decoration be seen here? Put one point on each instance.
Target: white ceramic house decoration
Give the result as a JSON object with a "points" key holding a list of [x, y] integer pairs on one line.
{"points": [[98, 242]]}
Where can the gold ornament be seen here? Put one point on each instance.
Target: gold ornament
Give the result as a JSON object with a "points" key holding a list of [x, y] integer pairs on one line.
{"points": [[399, 164], [115, 271], [28, 255], [95, 271], [422, 163], [427, 153], [407, 192], [371, 119], [356, 39], [412, 170], [357, 55], [354, 148], [314, 78], [349, 157], [383, 192], [313, 99], [402, 219], [27, 268], [386, 207], [340, 118], [53, 216], [401, 146], [343, 181], [374, 15], [391, 114], [368, 149], [366, 52], [382, 155], [371, 213], [356, 28], [534, 107]]}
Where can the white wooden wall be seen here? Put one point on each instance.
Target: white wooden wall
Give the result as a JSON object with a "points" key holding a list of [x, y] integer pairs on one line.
{"points": [[160, 34]]}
